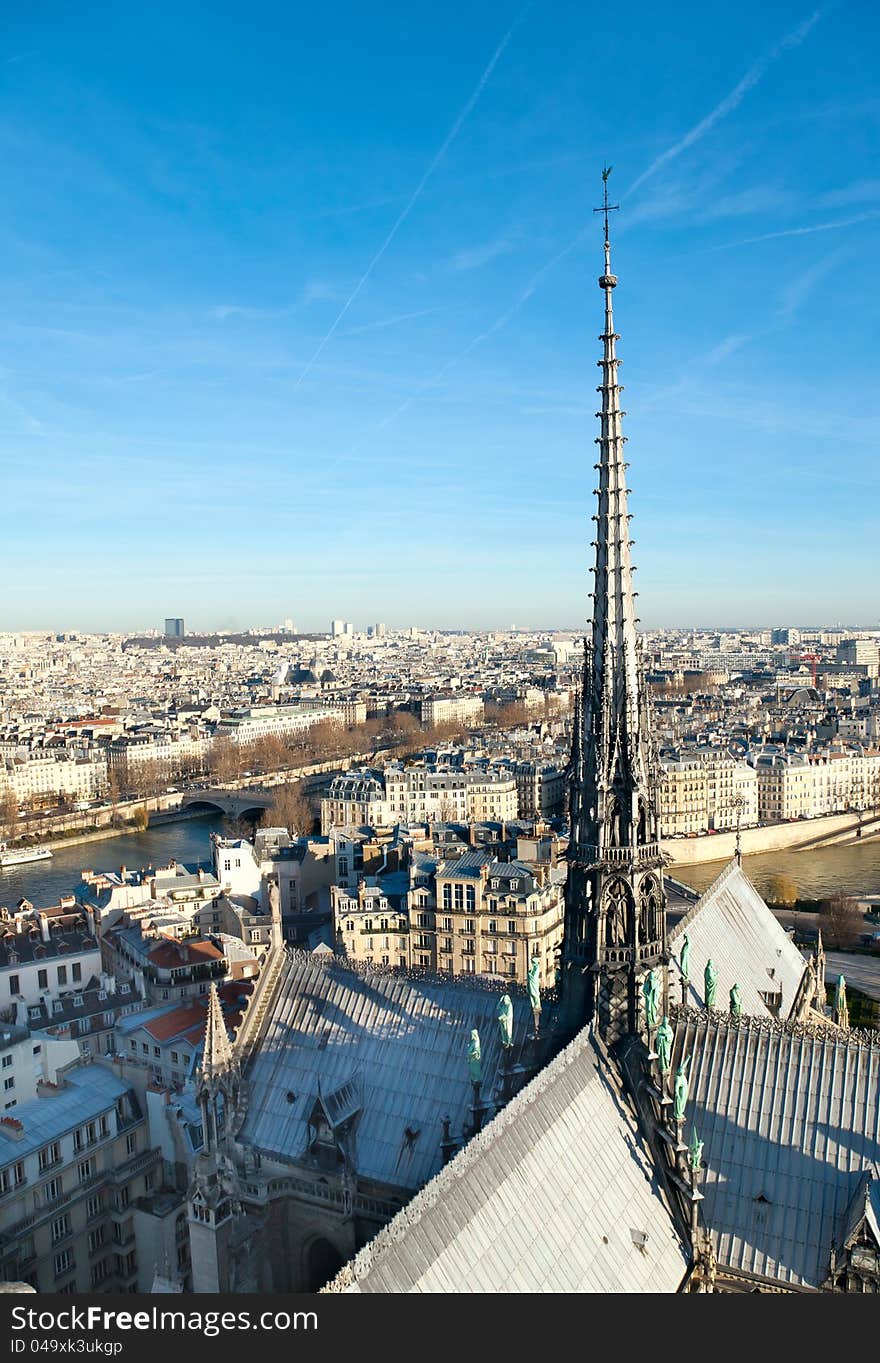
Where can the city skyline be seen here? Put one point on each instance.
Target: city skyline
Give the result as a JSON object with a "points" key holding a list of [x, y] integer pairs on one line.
{"points": [[318, 334]]}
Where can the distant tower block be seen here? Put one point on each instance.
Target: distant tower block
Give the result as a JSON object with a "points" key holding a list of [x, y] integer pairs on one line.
{"points": [[173, 628], [337, 628]]}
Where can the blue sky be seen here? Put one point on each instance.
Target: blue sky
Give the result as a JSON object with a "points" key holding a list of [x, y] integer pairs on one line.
{"points": [[299, 310]]}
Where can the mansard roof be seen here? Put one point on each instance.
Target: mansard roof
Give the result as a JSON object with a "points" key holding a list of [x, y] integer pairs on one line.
{"points": [[731, 924], [556, 1194], [790, 1120], [405, 1038]]}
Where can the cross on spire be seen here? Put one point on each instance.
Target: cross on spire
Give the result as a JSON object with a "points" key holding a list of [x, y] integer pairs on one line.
{"points": [[605, 207]]}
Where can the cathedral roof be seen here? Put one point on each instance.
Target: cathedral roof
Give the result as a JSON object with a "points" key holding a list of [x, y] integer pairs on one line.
{"points": [[403, 1039], [731, 924], [556, 1194], [790, 1120]]}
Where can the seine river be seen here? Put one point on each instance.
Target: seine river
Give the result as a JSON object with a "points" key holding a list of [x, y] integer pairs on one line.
{"points": [[42, 882], [817, 874]]}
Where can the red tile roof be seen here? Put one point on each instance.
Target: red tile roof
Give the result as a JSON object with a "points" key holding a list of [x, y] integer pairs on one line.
{"points": [[175, 1023]]}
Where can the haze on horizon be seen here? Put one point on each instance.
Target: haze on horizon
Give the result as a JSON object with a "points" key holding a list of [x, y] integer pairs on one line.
{"points": [[300, 312]]}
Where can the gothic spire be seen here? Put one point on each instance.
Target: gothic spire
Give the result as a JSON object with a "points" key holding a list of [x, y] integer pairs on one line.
{"points": [[615, 917], [217, 1078], [217, 1055]]}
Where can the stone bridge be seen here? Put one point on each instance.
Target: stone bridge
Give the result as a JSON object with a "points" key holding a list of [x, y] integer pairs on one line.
{"points": [[236, 801], [232, 803]]}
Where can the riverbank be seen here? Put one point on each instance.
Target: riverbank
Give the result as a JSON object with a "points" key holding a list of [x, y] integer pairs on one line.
{"points": [[778, 837]]}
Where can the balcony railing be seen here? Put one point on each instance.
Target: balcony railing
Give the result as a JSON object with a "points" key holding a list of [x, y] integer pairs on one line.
{"points": [[620, 856]]}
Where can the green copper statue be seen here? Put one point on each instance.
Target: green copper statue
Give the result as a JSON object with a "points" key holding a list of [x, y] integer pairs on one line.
{"points": [[475, 1058], [710, 980], [695, 1152], [651, 991], [534, 979], [841, 1008], [736, 1003], [685, 959], [505, 1020], [663, 1042], [681, 1089]]}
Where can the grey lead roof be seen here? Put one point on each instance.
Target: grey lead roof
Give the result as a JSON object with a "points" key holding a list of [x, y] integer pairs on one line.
{"points": [[556, 1194], [731, 924], [790, 1122], [403, 1039]]}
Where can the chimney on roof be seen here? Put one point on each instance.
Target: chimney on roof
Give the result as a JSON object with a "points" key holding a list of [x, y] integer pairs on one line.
{"points": [[44, 927], [123, 870]]}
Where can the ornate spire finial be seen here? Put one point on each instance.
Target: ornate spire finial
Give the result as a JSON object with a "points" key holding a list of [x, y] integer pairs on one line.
{"points": [[605, 207]]}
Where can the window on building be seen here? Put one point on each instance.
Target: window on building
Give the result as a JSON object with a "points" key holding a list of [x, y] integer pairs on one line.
{"points": [[511, 925], [62, 974], [13, 1176], [63, 1262], [14, 984], [76, 971], [131, 1142], [60, 1228], [49, 1155], [86, 1170]]}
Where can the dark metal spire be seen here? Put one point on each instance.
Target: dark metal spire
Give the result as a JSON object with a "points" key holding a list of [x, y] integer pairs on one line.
{"points": [[615, 919]]}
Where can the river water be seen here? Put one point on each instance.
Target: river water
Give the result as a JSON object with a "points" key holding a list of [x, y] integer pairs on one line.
{"points": [[816, 874], [42, 882]]}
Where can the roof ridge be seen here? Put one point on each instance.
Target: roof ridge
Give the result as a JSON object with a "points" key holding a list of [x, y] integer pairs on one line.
{"points": [[702, 1017], [297, 956], [723, 876]]}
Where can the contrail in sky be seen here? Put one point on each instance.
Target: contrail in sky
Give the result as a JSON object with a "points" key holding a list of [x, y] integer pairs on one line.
{"points": [[413, 199], [800, 231], [495, 326], [730, 101]]}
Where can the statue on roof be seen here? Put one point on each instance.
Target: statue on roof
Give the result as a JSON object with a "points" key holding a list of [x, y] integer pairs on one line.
{"points": [[736, 1003], [682, 1075], [695, 1152], [475, 1058], [651, 991], [710, 981], [534, 982], [685, 959], [663, 1042], [505, 1020], [841, 1007]]}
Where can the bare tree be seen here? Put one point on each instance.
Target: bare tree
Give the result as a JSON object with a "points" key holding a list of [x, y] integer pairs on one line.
{"points": [[8, 812], [224, 759], [291, 808], [270, 753], [840, 920]]}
